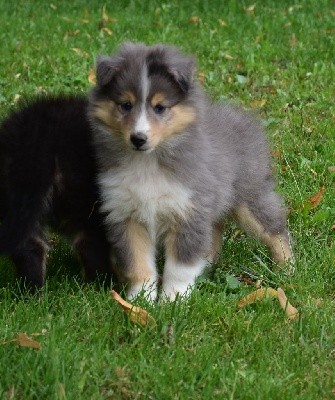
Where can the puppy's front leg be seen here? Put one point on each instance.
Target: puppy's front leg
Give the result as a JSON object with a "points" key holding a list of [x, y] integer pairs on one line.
{"points": [[135, 254], [185, 251]]}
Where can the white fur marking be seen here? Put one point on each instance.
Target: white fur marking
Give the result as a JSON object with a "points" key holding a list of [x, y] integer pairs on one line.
{"points": [[145, 83], [179, 278], [142, 123], [139, 189]]}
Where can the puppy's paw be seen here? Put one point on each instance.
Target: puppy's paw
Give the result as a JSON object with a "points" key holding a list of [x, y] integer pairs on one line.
{"points": [[146, 289]]}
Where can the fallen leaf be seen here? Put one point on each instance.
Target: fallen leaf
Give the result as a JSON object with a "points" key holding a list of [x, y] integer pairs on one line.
{"points": [[293, 41], [17, 97], [315, 200], [222, 22], [108, 31], [291, 311], [251, 9], [259, 294], [91, 76], [136, 314], [228, 57], [331, 168], [276, 153], [258, 103], [80, 52], [194, 20], [202, 77], [22, 339]]}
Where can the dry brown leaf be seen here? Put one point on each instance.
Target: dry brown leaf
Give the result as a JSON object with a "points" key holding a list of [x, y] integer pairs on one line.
{"points": [[258, 103], [315, 200], [136, 314], [259, 294], [331, 168], [291, 311], [22, 339], [91, 76]]}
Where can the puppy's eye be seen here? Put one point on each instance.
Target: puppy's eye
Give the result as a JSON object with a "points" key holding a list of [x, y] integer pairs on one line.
{"points": [[126, 106], [159, 109]]}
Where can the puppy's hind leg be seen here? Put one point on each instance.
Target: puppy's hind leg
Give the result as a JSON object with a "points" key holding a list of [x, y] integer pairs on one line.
{"points": [[30, 260], [264, 219]]}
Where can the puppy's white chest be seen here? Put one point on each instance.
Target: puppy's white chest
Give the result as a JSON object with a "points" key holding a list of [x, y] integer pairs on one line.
{"points": [[141, 190]]}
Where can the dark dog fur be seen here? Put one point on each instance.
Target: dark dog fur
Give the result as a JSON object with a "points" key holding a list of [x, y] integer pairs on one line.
{"points": [[47, 177]]}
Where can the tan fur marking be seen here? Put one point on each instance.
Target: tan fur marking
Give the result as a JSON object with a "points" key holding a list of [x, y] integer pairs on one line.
{"points": [[128, 96], [107, 112], [182, 117], [157, 98], [216, 243], [141, 248], [278, 244]]}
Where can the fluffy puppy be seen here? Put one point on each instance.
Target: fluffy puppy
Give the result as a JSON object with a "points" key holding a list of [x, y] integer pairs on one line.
{"points": [[47, 176], [173, 166]]}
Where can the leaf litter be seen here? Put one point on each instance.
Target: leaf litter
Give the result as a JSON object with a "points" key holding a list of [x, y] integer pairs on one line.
{"points": [[271, 293], [136, 314]]}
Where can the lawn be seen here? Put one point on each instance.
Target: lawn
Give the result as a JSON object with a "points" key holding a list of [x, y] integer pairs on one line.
{"points": [[276, 57]]}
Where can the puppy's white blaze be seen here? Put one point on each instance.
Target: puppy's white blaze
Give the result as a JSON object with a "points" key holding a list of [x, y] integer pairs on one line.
{"points": [[145, 83], [179, 278], [142, 123]]}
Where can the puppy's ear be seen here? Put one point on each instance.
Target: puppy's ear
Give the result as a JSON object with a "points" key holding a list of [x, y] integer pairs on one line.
{"points": [[182, 70], [106, 69]]}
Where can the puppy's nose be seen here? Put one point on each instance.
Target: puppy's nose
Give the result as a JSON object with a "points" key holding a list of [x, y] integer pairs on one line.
{"points": [[138, 139]]}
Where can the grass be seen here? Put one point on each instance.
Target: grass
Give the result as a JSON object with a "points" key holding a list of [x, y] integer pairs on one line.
{"points": [[277, 57]]}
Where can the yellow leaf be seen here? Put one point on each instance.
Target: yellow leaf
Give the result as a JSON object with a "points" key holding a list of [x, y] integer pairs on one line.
{"points": [[136, 314], [202, 77], [222, 22], [108, 31], [258, 103], [91, 76], [291, 311], [228, 57], [80, 52], [251, 9], [259, 294], [194, 20]]}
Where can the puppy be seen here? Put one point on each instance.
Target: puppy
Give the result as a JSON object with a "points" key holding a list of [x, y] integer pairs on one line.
{"points": [[48, 176], [173, 167]]}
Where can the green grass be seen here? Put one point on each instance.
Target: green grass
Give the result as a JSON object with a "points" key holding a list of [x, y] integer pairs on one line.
{"points": [[202, 348]]}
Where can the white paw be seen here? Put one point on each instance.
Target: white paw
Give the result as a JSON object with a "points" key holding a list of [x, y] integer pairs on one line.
{"points": [[179, 278], [171, 291], [149, 291]]}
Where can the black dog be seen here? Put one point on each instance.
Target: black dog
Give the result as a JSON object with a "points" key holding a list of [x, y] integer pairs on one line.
{"points": [[47, 177]]}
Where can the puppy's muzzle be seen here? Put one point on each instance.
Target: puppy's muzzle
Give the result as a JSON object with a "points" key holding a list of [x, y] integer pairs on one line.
{"points": [[139, 139]]}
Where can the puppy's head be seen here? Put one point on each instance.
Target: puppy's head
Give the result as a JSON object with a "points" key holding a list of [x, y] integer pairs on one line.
{"points": [[143, 94]]}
